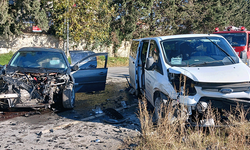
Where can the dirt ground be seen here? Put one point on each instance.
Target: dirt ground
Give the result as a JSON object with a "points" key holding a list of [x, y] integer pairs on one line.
{"points": [[81, 128], [52, 131]]}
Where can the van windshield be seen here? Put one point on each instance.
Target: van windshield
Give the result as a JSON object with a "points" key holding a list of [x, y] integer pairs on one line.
{"points": [[198, 51]]}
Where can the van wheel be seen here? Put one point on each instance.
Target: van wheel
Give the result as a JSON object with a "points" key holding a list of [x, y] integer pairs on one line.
{"points": [[68, 97], [162, 106], [159, 109]]}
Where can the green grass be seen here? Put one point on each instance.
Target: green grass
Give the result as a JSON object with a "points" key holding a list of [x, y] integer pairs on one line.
{"points": [[112, 61], [5, 58]]}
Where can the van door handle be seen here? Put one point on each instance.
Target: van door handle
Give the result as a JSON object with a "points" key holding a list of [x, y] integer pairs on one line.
{"points": [[133, 62], [101, 73]]}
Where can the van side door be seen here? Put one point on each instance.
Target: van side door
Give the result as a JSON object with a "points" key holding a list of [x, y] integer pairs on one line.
{"points": [[133, 64], [153, 70]]}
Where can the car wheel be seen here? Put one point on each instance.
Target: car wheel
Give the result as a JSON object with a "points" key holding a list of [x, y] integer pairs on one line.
{"points": [[68, 98]]}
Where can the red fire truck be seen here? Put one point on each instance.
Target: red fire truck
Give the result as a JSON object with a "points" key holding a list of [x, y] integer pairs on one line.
{"points": [[238, 37]]}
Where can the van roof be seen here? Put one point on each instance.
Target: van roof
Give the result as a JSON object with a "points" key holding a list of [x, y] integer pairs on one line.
{"points": [[160, 38]]}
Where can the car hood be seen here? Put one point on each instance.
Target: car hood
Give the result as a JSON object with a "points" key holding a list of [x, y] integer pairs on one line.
{"points": [[216, 74]]}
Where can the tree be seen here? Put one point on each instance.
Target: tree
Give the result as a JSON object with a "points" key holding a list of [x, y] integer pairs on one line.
{"points": [[5, 18], [88, 20], [16, 15], [203, 15], [127, 20]]}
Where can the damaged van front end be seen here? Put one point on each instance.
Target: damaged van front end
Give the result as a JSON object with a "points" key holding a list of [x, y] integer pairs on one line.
{"points": [[221, 88]]}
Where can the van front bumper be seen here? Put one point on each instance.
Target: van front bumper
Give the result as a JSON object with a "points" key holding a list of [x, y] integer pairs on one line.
{"points": [[217, 99]]}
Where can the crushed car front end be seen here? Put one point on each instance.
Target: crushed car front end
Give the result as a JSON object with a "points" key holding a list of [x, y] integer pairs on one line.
{"points": [[36, 78]]}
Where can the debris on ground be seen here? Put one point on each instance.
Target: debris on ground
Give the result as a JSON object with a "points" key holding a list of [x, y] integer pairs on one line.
{"points": [[114, 116], [124, 105], [97, 110]]}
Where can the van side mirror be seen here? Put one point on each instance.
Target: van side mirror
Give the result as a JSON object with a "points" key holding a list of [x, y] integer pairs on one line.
{"points": [[243, 56], [75, 68], [150, 63]]}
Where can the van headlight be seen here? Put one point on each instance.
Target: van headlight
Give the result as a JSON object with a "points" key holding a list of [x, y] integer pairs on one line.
{"points": [[183, 84]]}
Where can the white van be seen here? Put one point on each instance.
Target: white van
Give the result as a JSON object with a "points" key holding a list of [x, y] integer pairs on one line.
{"points": [[211, 69]]}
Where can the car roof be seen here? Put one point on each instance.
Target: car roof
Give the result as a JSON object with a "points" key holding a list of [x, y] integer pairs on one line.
{"points": [[40, 49], [160, 38]]}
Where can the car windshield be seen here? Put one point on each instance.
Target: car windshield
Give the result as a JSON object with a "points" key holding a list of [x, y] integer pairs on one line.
{"points": [[198, 51], [235, 39], [39, 59]]}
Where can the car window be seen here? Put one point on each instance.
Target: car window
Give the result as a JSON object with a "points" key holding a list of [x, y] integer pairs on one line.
{"points": [[39, 59], [78, 55], [202, 51], [93, 61]]}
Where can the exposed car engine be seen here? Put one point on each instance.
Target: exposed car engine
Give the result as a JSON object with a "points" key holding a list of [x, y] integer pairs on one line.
{"points": [[22, 89]]}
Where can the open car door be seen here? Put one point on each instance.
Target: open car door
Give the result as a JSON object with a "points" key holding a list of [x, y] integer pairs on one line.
{"points": [[90, 76]]}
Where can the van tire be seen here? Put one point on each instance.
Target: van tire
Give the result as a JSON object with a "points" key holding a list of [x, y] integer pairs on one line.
{"points": [[159, 110], [162, 102]]}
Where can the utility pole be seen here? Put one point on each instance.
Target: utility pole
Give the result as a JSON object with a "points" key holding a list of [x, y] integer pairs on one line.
{"points": [[66, 31], [67, 44]]}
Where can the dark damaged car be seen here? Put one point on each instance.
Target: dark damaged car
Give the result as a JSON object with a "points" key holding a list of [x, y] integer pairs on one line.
{"points": [[43, 77]]}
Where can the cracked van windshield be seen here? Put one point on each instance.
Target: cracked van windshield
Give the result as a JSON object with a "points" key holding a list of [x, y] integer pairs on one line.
{"points": [[39, 59], [198, 51]]}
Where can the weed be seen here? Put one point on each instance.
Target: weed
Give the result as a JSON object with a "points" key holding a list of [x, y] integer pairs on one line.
{"points": [[169, 134]]}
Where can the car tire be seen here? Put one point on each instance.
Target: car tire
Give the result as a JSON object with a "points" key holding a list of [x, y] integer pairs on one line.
{"points": [[68, 97]]}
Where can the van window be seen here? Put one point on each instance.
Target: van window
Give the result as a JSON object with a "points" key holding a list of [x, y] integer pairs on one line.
{"points": [[133, 49], [153, 51]]}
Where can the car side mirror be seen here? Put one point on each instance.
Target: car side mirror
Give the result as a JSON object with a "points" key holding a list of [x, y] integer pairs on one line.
{"points": [[150, 63], [243, 56], [75, 68]]}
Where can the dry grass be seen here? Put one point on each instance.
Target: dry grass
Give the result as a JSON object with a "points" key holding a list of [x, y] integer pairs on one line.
{"points": [[169, 134]]}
